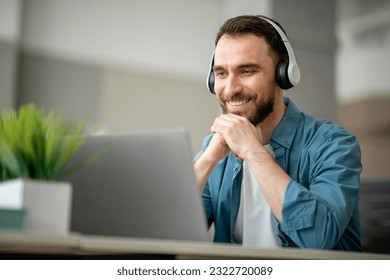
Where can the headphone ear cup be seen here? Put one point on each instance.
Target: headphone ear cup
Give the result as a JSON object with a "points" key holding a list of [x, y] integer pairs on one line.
{"points": [[211, 77], [282, 78], [210, 82]]}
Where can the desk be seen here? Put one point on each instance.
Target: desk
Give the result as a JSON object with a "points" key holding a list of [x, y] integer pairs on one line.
{"points": [[82, 246]]}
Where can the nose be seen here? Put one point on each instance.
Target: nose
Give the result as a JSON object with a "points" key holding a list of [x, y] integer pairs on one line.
{"points": [[232, 86]]}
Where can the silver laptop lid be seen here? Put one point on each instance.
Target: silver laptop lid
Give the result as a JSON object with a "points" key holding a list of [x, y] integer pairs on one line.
{"points": [[143, 185]]}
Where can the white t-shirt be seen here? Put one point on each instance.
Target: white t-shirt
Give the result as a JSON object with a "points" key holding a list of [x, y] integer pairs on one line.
{"points": [[254, 225]]}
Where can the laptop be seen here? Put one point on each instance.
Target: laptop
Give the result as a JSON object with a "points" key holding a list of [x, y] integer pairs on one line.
{"points": [[141, 185]]}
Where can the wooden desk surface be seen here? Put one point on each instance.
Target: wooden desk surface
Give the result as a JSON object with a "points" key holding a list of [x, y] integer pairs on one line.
{"points": [[81, 245]]}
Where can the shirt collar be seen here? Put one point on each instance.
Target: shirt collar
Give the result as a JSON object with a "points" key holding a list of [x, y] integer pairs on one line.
{"points": [[285, 131]]}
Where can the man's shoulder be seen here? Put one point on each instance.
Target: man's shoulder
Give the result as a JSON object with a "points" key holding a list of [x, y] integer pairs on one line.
{"points": [[319, 135], [306, 127], [324, 127]]}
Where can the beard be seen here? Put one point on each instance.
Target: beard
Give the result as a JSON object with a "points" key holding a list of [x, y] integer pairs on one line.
{"points": [[259, 114]]}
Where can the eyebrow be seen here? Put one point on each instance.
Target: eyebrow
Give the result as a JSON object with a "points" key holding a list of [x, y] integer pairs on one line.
{"points": [[242, 66]]}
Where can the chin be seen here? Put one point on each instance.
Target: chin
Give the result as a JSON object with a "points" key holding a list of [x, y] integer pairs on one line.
{"points": [[241, 113]]}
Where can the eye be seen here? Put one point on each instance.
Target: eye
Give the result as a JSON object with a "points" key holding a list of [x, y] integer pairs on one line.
{"points": [[247, 72], [220, 74]]}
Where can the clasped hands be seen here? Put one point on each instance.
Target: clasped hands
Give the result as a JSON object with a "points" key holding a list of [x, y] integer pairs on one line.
{"points": [[234, 133]]}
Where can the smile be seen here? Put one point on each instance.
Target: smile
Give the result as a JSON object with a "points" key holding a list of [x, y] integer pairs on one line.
{"points": [[238, 102]]}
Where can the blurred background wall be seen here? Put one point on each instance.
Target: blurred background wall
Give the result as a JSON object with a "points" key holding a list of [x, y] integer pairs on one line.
{"points": [[363, 84], [141, 64]]}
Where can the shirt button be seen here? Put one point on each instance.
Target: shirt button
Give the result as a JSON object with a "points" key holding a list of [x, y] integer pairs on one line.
{"points": [[298, 223]]}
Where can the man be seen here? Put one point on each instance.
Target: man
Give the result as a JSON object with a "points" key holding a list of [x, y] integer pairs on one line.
{"points": [[270, 175]]}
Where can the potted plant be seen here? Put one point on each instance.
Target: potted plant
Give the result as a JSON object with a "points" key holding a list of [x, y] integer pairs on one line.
{"points": [[34, 150]]}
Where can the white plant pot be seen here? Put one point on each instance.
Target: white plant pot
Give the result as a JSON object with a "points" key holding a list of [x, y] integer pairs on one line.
{"points": [[48, 203]]}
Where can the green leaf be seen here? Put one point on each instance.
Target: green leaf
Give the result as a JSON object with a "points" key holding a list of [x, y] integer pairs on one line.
{"points": [[37, 145]]}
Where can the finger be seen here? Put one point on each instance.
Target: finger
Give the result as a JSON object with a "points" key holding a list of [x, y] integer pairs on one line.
{"points": [[222, 126], [221, 123], [231, 117], [226, 122], [236, 119]]}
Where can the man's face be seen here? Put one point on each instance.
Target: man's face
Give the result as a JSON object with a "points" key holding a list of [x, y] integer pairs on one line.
{"points": [[244, 69]]}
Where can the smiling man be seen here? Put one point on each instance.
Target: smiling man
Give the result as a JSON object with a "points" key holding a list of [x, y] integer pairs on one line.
{"points": [[271, 175]]}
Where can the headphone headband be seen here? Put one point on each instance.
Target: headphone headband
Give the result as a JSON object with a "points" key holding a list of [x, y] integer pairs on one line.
{"points": [[287, 72]]}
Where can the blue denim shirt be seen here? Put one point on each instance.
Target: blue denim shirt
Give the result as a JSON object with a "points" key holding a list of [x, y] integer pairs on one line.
{"points": [[320, 208]]}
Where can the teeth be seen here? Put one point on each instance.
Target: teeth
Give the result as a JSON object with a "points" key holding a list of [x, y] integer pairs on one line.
{"points": [[238, 103]]}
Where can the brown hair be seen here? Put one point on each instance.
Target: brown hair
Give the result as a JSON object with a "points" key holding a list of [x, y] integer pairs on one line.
{"points": [[256, 25]]}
